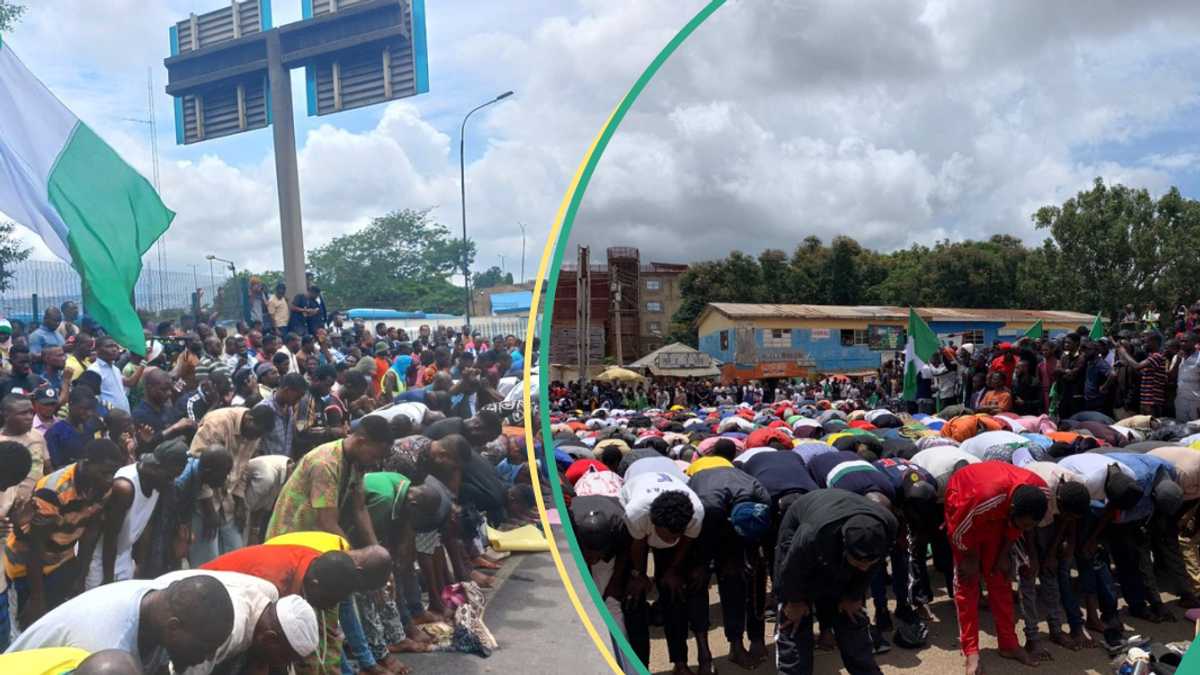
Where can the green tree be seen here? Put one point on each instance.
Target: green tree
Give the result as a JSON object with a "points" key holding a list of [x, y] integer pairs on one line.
{"points": [[737, 278], [776, 276], [11, 254], [1109, 241], [10, 12], [492, 277], [403, 261]]}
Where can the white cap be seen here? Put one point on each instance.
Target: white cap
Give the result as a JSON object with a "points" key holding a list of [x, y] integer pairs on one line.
{"points": [[299, 623]]}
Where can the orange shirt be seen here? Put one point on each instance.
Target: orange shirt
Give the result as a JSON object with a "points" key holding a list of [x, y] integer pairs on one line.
{"points": [[996, 400]]}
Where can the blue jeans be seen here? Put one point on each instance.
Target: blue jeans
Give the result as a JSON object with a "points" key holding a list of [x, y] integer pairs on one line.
{"points": [[226, 539], [356, 640]]}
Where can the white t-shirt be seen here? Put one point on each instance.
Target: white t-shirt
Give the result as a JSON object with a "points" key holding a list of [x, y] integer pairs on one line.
{"points": [[250, 596], [940, 461], [645, 480], [979, 444], [1092, 468], [136, 519], [1054, 475], [410, 409], [106, 617]]}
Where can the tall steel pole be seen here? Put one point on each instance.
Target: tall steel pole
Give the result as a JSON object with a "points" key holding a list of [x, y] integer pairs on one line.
{"points": [[287, 174], [522, 252], [462, 184]]}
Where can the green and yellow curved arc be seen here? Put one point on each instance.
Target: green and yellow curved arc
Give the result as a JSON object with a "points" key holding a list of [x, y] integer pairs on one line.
{"points": [[552, 259]]}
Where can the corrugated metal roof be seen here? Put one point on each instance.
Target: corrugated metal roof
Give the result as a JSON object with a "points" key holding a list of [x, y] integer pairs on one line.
{"points": [[735, 310]]}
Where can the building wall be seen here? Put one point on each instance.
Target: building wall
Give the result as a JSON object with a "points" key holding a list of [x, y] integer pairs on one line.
{"points": [[821, 341], [668, 299], [481, 298]]}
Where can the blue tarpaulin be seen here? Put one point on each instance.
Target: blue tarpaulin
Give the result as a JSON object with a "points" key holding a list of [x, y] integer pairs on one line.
{"points": [[511, 303]]}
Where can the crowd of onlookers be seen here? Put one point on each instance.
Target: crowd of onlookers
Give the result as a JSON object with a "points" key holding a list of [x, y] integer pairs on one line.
{"points": [[296, 490]]}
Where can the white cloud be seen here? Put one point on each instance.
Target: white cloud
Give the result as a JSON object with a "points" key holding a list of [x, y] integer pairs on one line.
{"points": [[891, 120]]}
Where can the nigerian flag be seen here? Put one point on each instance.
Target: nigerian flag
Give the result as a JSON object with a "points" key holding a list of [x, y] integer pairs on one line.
{"points": [[918, 349], [1097, 331], [1036, 331], [61, 180]]}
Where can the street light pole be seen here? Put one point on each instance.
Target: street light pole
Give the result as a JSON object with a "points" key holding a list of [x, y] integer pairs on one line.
{"points": [[462, 182], [522, 251]]}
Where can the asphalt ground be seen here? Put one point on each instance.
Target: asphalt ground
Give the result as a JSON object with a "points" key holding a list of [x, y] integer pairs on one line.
{"points": [[942, 654], [533, 621]]}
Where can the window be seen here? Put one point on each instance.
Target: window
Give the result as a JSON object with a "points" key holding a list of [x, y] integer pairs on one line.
{"points": [[655, 328], [975, 337], [655, 307], [653, 284], [855, 338], [724, 340], [779, 338]]}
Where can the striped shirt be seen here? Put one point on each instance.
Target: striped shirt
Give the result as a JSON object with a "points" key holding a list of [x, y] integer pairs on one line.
{"points": [[1154, 380], [59, 507]]}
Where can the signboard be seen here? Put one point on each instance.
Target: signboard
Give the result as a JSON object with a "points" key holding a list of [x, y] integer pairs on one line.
{"points": [[384, 70], [234, 105], [770, 355], [885, 338], [679, 360], [774, 370], [819, 334]]}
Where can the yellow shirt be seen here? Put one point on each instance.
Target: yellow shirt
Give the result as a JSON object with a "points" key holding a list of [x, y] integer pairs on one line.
{"points": [[278, 309], [74, 368], [318, 541], [49, 661], [707, 463]]}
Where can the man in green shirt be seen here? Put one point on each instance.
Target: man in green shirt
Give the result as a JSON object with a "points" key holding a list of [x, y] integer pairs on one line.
{"points": [[325, 490], [398, 510]]}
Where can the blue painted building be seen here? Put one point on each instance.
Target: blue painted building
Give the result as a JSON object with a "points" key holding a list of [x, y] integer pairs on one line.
{"points": [[760, 341]]}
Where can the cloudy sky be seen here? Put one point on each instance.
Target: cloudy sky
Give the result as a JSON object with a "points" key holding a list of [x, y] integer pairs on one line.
{"points": [[894, 121]]}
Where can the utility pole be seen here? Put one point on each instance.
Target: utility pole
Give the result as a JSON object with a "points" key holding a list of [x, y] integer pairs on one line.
{"points": [[616, 288], [522, 251]]}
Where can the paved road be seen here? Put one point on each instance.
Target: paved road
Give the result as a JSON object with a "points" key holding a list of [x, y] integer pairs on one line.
{"points": [[942, 656], [534, 622]]}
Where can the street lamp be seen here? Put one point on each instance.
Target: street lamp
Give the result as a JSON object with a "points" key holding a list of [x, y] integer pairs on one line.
{"points": [[462, 179], [522, 251], [233, 273]]}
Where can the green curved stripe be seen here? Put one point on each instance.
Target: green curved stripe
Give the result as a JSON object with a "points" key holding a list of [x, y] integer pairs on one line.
{"points": [[547, 316]]}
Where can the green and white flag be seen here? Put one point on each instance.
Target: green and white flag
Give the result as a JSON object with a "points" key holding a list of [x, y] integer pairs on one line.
{"points": [[918, 349], [1097, 331], [1036, 331], [93, 210]]}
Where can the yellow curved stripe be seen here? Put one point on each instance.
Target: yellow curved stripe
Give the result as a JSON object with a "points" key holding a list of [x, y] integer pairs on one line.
{"points": [[547, 255]]}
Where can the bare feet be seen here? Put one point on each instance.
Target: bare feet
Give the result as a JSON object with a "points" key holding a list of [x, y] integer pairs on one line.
{"points": [[410, 646], [1094, 624], [482, 579], [925, 614], [1038, 651], [972, 665], [1019, 655], [414, 634], [394, 666], [426, 617], [1063, 640], [707, 667], [741, 657], [483, 563], [1083, 638]]}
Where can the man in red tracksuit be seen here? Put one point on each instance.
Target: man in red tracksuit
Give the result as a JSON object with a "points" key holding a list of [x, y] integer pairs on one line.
{"points": [[988, 506]]}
